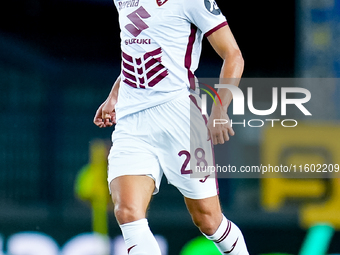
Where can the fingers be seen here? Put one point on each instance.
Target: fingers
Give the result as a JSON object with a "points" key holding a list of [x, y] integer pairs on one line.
{"points": [[104, 123], [103, 120], [106, 115], [221, 136], [225, 136], [231, 131], [98, 121], [108, 121]]}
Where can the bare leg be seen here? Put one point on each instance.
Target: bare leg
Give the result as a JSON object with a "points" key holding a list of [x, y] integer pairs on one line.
{"points": [[207, 216], [131, 196], [205, 213]]}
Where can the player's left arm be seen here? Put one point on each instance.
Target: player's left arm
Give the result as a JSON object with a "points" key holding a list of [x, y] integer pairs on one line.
{"points": [[225, 45]]}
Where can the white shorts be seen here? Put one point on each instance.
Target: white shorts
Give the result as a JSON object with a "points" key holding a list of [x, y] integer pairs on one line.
{"points": [[170, 138]]}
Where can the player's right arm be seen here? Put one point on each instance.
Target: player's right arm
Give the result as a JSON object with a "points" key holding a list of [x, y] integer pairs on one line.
{"points": [[106, 115], [225, 45]]}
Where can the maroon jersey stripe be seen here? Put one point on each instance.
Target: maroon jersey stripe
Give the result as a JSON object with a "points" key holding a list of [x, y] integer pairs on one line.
{"points": [[138, 61], [127, 57], [130, 83], [153, 53], [154, 70], [136, 70], [141, 80], [188, 60], [150, 63], [128, 67], [159, 77], [129, 76], [140, 70]]}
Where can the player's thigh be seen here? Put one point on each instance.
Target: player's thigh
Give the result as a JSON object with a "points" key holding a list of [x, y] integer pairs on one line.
{"points": [[131, 195], [132, 152], [187, 158]]}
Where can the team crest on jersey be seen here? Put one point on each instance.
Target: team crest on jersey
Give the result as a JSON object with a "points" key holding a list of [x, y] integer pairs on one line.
{"points": [[212, 7], [161, 2]]}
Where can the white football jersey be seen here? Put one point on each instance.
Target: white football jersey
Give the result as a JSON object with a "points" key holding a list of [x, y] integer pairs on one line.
{"points": [[161, 46]]}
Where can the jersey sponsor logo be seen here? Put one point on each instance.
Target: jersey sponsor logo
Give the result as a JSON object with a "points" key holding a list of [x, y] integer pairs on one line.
{"points": [[146, 71], [137, 41], [161, 2], [212, 7], [127, 4], [138, 25]]}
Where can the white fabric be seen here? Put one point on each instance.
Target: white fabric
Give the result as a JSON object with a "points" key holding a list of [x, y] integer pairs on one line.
{"points": [[170, 138], [138, 238], [162, 42], [229, 239], [119, 247]]}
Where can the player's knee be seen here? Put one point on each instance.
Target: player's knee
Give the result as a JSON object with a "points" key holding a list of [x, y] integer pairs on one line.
{"points": [[206, 223], [128, 213]]}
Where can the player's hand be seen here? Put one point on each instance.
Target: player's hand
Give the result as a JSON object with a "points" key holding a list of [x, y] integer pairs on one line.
{"points": [[106, 115], [221, 132]]}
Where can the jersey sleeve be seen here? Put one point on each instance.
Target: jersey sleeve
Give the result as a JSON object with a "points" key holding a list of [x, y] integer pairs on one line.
{"points": [[205, 15]]}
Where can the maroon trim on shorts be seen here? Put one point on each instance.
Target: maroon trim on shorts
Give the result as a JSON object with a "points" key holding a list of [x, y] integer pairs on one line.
{"points": [[223, 24], [188, 56], [193, 99], [214, 163]]}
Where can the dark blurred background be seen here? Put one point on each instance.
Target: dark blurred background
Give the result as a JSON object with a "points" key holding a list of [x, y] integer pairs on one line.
{"points": [[58, 60]]}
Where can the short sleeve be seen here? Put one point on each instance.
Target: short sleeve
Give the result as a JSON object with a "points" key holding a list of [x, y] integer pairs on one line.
{"points": [[205, 15]]}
